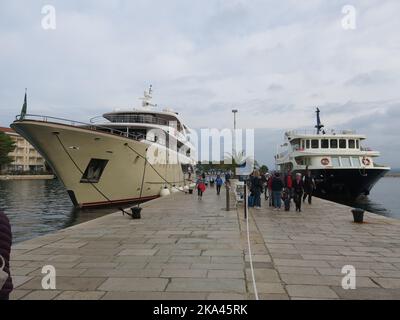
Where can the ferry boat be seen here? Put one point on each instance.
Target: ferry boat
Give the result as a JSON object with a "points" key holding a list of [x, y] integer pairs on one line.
{"points": [[338, 161], [120, 157]]}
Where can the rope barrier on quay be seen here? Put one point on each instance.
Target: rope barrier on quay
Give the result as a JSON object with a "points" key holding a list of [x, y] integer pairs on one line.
{"points": [[246, 215]]}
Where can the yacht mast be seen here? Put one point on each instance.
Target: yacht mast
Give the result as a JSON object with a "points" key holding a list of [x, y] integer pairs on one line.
{"points": [[319, 125]]}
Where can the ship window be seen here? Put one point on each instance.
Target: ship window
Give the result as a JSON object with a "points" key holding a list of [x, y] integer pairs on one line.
{"points": [[302, 144], [356, 161], [346, 162], [342, 143], [314, 144], [358, 144], [352, 144], [335, 161], [333, 143], [325, 143], [93, 171], [307, 144]]}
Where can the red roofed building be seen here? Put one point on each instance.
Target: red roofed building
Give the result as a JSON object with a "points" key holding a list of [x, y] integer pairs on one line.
{"points": [[25, 157]]}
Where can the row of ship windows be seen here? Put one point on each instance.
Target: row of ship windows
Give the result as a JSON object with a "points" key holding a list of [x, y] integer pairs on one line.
{"points": [[330, 143], [346, 161], [340, 161]]}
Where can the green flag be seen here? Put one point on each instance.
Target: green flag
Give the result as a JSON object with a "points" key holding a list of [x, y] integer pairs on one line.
{"points": [[23, 111]]}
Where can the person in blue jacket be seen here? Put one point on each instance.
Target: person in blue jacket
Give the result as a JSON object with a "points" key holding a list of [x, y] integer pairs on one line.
{"points": [[218, 183]]}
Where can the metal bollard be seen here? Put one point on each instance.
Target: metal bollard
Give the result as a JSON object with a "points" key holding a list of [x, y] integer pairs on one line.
{"points": [[245, 200], [227, 198]]}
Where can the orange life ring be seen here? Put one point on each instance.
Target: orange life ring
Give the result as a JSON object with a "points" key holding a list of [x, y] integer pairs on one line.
{"points": [[366, 161], [324, 161]]}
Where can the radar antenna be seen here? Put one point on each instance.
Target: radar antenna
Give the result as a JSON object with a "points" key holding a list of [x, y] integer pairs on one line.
{"points": [[147, 96], [319, 125]]}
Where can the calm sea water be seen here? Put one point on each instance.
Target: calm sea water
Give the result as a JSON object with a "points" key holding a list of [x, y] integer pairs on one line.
{"points": [[384, 198], [37, 207]]}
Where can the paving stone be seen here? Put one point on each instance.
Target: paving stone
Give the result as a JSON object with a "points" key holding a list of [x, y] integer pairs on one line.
{"points": [[80, 295], [266, 287], [310, 291], [234, 274], [155, 295], [134, 284], [226, 296], [17, 294], [41, 295], [67, 283], [207, 285], [264, 275], [138, 252], [389, 283], [183, 273]]}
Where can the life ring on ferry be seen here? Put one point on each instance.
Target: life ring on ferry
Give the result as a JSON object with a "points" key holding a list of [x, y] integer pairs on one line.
{"points": [[324, 161], [366, 161]]}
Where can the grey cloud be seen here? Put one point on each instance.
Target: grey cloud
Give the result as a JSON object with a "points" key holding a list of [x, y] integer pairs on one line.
{"points": [[274, 87], [370, 78]]}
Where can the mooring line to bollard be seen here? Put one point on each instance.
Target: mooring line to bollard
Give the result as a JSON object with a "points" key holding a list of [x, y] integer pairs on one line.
{"points": [[246, 211]]}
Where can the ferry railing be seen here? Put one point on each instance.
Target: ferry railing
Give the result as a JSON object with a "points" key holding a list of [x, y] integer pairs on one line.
{"points": [[314, 132], [90, 126]]}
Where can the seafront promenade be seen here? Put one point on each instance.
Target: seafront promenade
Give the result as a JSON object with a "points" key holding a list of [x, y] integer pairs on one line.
{"points": [[183, 248]]}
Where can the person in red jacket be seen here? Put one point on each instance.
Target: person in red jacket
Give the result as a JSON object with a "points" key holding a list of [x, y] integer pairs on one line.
{"points": [[5, 249], [289, 184]]}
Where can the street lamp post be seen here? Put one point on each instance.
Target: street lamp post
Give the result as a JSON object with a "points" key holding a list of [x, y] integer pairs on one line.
{"points": [[234, 111]]}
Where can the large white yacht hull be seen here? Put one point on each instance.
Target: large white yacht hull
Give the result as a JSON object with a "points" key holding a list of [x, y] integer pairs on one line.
{"points": [[69, 150]]}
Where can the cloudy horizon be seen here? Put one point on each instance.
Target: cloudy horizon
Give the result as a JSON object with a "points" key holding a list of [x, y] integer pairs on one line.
{"points": [[273, 61]]}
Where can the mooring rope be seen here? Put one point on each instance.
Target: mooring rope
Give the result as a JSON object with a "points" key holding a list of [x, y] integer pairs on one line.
{"points": [[97, 189], [249, 247], [81, 171], [145, 159]]}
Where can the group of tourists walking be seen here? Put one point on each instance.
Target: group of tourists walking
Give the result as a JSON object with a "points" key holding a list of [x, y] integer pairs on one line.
{"points": [[281, 189], [202, 183]]}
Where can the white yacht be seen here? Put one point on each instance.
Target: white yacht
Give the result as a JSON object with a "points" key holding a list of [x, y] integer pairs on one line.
{"points": [[128, 156], [338, 161]]}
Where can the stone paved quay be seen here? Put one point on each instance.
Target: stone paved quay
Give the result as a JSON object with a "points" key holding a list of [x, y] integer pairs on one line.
{"points": [[183, 248]]}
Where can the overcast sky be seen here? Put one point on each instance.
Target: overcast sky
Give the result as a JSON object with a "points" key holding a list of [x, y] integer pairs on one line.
{"points": [[273, 60]]}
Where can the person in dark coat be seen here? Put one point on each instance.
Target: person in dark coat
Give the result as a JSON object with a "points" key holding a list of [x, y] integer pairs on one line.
{"points": [[309, 186], [298, 190], [277, 187], [5, 249], [256, 188]]}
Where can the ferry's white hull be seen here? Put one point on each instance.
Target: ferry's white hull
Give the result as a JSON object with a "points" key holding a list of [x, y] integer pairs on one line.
{"points": [[69, 150]]}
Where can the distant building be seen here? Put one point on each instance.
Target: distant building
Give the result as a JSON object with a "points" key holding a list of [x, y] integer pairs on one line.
{"points": [[25, 157]]}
